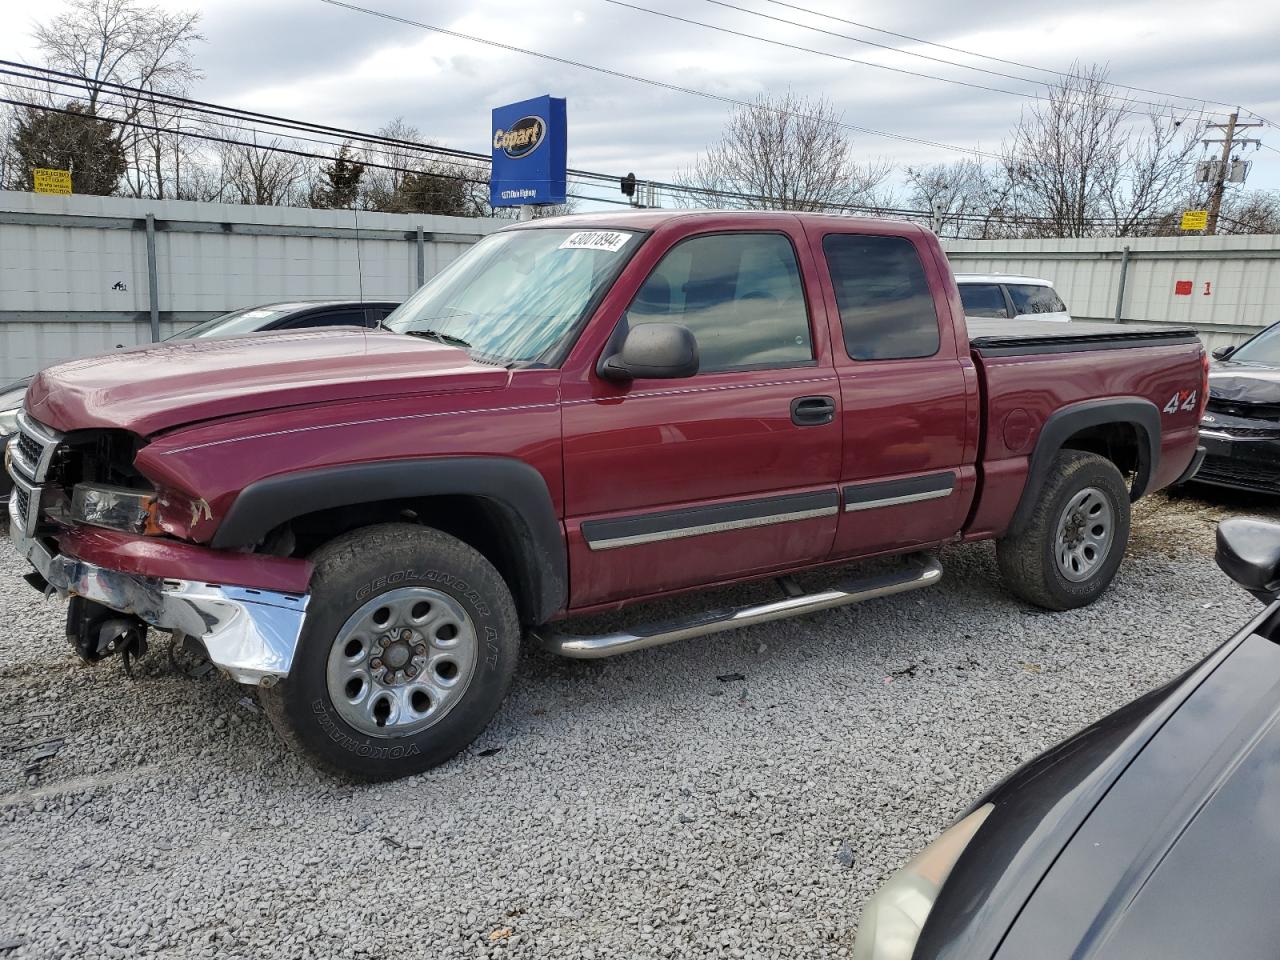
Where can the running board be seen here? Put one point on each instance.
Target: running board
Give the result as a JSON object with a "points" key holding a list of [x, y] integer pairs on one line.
{"points": [[922, 571]]}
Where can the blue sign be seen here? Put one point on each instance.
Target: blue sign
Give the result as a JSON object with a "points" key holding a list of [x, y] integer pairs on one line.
{"points": [[530, 145]]}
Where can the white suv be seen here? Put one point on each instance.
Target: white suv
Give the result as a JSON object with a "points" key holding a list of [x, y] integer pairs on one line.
{"points": [[1002, 296]]}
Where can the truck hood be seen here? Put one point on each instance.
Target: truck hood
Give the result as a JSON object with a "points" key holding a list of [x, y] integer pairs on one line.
{"points": [[155, 388]]}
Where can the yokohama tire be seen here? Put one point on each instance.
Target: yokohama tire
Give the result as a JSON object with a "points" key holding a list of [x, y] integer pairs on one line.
{"points": [[399, 563]]}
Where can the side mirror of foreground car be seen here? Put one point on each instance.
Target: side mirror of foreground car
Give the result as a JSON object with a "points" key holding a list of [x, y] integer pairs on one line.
{"points": [[659, 351], [1223, 352], [1249, 553]]}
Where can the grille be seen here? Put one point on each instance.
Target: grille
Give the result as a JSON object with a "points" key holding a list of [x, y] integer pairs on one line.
{"points": [[1255, 432], [1236, 408], [1253, 476], [24, 503], [30, 448]]}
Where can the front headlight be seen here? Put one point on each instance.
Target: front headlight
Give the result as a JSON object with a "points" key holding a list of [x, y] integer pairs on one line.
{"points": [[9, 421], [893, 918], [116, 508]]}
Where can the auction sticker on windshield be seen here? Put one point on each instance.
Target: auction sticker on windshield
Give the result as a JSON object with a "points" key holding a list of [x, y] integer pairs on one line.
{"points": [[611, 241]]}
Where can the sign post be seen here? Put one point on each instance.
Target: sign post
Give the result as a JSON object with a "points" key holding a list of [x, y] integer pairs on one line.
{"points": [[530, 149], [51, 181]]}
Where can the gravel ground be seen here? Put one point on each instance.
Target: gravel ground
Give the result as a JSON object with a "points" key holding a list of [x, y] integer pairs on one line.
{"points": [[649, 806]]}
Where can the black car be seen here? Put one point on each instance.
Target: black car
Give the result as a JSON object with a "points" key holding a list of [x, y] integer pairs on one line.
{"points": [[294, 315], [1154, 833], [1241, 427]]}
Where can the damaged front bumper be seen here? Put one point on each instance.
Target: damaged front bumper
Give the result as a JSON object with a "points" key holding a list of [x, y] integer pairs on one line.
{"points": [[251, 634]]}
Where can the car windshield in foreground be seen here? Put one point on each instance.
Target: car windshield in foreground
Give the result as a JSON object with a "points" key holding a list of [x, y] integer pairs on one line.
{"points": [[1264, 348], [516, 296], [248, 320]]}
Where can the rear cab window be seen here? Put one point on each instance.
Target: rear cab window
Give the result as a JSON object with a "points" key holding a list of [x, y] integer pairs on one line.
{"points": [[883, 296], [740, 294]]}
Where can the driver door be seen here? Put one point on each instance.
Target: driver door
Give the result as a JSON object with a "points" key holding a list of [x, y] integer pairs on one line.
{"points": [[719, 476]]}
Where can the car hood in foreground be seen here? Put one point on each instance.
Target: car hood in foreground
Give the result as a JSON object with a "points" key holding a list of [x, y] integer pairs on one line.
{"points": [[155, 388], [1180, 858], [1077, 832]]}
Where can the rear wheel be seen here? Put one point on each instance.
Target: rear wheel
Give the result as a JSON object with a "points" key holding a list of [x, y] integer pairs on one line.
{"points": [[408, 648], [1072, 545]]}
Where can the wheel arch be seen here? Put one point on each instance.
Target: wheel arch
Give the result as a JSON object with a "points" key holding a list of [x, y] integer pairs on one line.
{"points": [[500, 506], [1124, 430]]}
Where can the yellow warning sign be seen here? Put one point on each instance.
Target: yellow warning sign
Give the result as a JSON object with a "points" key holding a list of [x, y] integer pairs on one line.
{"points": [[1195, 219], [51, 181]]}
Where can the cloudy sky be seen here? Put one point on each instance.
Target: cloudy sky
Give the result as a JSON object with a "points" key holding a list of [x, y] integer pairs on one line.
{"points": [[311, 60]]}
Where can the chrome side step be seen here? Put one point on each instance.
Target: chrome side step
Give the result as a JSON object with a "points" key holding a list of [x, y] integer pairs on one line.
{"points": [[922, 571]]}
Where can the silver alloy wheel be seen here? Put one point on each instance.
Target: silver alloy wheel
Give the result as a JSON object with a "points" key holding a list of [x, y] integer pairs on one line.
{"points": [[402, 661], [1086, 530]]}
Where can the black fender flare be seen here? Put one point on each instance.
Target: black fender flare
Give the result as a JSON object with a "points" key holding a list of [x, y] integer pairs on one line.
{"points": [[1062, 424], [516, 489]]}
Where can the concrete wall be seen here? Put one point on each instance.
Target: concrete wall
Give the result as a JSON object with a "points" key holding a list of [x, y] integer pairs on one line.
{"points": [[74, 270], [1235, 281]]}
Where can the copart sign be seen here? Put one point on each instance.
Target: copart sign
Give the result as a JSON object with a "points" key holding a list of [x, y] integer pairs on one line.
{"points": [[529, 141]]}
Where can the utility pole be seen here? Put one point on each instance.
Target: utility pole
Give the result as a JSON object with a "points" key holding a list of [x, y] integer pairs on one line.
{"points": [[1229, 142]]}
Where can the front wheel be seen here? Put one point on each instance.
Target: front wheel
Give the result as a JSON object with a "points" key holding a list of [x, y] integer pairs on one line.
{"points": [[1068, 552], [408, 649]]}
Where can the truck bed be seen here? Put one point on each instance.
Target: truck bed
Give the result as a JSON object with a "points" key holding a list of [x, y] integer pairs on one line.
{"points": [[1005, 338]]}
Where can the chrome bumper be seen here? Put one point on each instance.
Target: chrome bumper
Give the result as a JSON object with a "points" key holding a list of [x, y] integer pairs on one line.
{"points": [[250, 634]]}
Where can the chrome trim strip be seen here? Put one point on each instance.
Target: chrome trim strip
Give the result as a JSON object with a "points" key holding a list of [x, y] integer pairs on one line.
{"points": [[250, 634], [892, 501], [925, 572], [696, 531], [1218, 435]]}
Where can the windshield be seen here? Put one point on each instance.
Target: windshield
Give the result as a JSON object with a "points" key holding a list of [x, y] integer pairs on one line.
{"points": [[516, 296], [1264, 348], [248, 320]]}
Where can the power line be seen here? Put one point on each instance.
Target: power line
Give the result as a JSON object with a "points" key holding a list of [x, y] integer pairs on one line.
{"points": [[366, 141], [987, 56], [889, 47], [203, 107], [677, 88]]}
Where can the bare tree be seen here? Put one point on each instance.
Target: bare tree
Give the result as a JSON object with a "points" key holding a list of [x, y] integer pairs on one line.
{"points": [[107, 42], [965, 199], [262, 174], [784, 152], [120, 41], [1082, 166]]}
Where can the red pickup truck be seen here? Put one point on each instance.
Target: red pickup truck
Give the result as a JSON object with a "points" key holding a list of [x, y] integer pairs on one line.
{"points": [[579, 414]]}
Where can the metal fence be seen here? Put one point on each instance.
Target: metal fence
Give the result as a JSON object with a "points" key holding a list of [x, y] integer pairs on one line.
{"points": [[1227, 288], [83, 275]]}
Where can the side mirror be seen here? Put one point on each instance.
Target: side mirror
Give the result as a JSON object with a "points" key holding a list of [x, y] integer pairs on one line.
{"points": [[1223, 352], [1249, 553], [657, 351]]}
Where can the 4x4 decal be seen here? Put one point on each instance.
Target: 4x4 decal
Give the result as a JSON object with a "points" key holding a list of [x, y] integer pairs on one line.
{"points": [[1184, 400]]}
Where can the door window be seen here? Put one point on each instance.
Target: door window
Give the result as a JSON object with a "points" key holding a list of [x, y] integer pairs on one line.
{"points": [[983, 300], [739, 294], [1029, 298], [886, 306]]}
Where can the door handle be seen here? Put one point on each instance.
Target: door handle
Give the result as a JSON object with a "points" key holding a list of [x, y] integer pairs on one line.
{"points": [[812, 411]]}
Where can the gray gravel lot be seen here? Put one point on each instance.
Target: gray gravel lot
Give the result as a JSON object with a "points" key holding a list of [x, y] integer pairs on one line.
{"points": [[635, 808]]}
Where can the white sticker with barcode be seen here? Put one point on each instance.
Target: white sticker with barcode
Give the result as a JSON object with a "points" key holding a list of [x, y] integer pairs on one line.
{"points": [[611, 241]]}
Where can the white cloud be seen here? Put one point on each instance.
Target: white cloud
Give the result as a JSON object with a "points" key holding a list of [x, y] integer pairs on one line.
{"points": [[310, 60]]}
